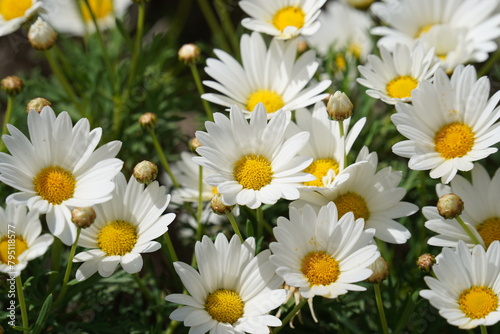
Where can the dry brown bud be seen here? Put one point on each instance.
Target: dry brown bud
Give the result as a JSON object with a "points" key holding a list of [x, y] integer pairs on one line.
{"points": [[148, 120], [425, 262], [189, 53], [450, 206], [194, 143], [218, 206], [41, 35], [339, 107], [37, 104], [83, 217], [12, 85], [145, 172], [380, 270]]}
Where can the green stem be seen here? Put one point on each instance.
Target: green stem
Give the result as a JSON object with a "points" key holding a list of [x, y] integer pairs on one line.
{"points": [[467, 230], [342, 135], [489, 64], [227, 26], [137, 46], [142, 287], [6, 119], [179, 21], [200, 197], [484, 330], [55, 262], [234, 224], [68, 268], [170, 248], [380, 306], [163, 159], [22, 302], [201, 91], [213, 24], [290, 315], [260, 222], [172, 326]]}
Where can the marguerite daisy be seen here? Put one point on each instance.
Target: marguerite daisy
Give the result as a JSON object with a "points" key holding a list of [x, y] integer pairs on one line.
{"points": [[253, 162], [124, 228], [57, 168], [466, 289], [449, 125], [233, 291], [271, 76], [13, 13], [20, 232], [282, 18], [321, 254]]}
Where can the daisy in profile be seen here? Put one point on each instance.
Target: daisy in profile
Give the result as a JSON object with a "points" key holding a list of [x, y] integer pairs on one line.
{"points": [[20, 231], [466, 289], [253, 162], [321, 254], [282, 18], [124, 228], [13, 13], [233, 290], [58, 168], [394, 76], [449, 125], [368, 194], [271, 76], [481, 211], [74, 18]]}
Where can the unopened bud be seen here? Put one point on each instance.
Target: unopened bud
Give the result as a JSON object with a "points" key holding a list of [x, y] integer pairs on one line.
{"points": [[37, 104], [339, 107], [145, 172], [302, 46], [194, 143], [450, 206], [12, 85], [425, 262], [83, 217], [148, 120], [218, 206], [360, 4], [189, 53], [380, 270], [41, 35]]}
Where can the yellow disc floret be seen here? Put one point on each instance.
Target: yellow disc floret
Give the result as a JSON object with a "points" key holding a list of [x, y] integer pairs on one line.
{"points": [[100, 9], [54, 184], [401, 86], [352, 202], [454, 140], [224, 306], [423, 30], [253, 172], [117, 238], [271, 100], [320, 168], [289, 16], [11, 9], [477, 302], [320, 268], [489, 230], [7, 245]]}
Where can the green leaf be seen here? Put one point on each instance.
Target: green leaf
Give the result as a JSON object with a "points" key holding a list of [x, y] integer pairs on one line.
{"points": [[42, 317], [249, 231]]}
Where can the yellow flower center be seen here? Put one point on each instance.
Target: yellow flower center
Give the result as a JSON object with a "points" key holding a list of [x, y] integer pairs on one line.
{"points": [[454, 140], [224, 306], [17, 244], [320, 268], [477, 302], [289, 16], [117, 238], [100, 9], [340, 62], [253, 172], [354, 49], [401, 86], [271, 100], [54, 184], [423, 30], [352, 202], [489, 230], [320, 168], [10, 9]]}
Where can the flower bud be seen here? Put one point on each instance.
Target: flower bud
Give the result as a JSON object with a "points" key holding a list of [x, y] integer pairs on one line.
{"points": [[12, 85], [302, 46], [380, 270], [194, 143], [189, 53], [148, 120], [450, 206], [425, 262], [360, 4], [83, 217], [218, 206], [37, 104], [145, 172], [41, 35], [339, 107]]}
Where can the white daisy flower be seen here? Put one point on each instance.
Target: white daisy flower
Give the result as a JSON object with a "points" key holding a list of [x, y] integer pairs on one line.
{"points": [[124, 228], [368, 194], [254, 163], [321, 254], [282, 18], [325, 144], [272, 76], [57, 168], [233, 291], [20, 232], [481, 211], [393, 77], [466, 289], [449, 125], [13, 13], [73, 17]]}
